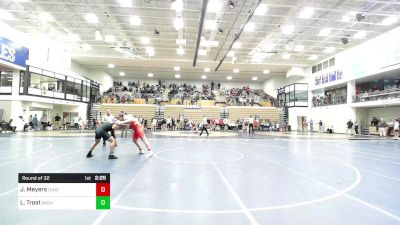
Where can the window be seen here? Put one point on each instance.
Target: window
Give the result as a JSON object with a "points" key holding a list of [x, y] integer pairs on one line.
{"points": [[6, 79], [325, 64], [331, 62], [314, 69], [319, 67]]}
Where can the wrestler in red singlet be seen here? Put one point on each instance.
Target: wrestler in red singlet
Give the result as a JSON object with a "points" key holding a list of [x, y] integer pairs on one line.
{"points": [[139, 134]]}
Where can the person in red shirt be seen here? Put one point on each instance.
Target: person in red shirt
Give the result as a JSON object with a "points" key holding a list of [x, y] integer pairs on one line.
{"points": [[138, 130]]}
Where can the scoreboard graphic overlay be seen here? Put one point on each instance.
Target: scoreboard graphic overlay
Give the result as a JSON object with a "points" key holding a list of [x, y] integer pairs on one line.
{"points": [[68, 191]]}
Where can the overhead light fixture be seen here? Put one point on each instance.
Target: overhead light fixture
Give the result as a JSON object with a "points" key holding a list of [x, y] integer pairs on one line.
{"points": [[288, 29], [150, 51], [145, 40], [254, 78], [231, 54], [349, 17], [178, 23], [265, 71], [261, 10], [249, 27], [206, 69], [231, 5], [313, 57], [229, 77], [109, 38], [202, 52], [177, 68], [360, 17], [306, 13], [111, 65], [236, 70], [46, 17], [91, 18], [177, 5], [299, 48], [390, 20], [360, 34], [237, 45], [180, 51], [214, 6], [210, 24], [98, 36], [5, 15], [150, 75], [177, 76], [286, 56], [329, 50], [345, 41], [135, 21], [121, 74], [125, 3], [209, 43], [181, 41], [325, 31], [203, 77], [87, 47]]}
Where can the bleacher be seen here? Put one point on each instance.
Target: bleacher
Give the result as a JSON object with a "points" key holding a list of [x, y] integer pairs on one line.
{"points": [[145, 111], [265, 113], [195, 114]]}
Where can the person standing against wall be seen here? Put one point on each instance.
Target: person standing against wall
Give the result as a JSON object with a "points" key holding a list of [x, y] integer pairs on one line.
{"points": [[320, 128], [396, 129], [382, 126], [356, 125], [35, 122], [349, 127], [57, 121]]}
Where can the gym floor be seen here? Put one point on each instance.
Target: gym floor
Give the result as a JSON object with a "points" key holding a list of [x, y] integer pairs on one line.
{"points": [[236, 180]]}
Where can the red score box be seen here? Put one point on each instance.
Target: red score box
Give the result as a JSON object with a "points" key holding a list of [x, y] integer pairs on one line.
{"points": [[102, 189]]}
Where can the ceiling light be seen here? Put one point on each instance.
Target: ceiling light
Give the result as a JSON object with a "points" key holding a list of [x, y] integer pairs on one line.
{"points": [[231, 54], [325, 31], [288, 29], [125, 3], [91, 18], [265, 71], [206, 69], [209, 43], [299, 48], [178, 23], [306, 13], [135, 21], [177, 76], [214, 6], [5, 15], [121, 74], [109, 38], [202, 52], [98, 36], [254, 78], [181, 41], [203, 77], [236, 70], [313, 57], [145, 40], [177, 68], [229, 77], [150, 51], [390, 20], [329, 50], [150, 75], [231, 5], [210, 24], [261, 10], [177, 5], [237, 45], [180, 51], [249, 27], [111, 65], [286, 56], [46, 17], [349, 17], [360, 34]]}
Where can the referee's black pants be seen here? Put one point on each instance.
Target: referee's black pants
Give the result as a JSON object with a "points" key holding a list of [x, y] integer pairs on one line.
{"points": [[204, 129]]}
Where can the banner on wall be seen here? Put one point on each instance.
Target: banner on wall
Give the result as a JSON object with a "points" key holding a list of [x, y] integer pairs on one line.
{"points": [[11, 52], [329, 77]]}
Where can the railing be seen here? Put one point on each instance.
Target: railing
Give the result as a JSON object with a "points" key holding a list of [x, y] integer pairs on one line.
{"points": [[325, 101], [377, 95]]}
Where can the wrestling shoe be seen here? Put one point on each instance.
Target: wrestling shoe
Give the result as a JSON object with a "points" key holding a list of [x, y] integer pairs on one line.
{"points": [[140, 151], [149, 154], [89, 155], [112, 157]]}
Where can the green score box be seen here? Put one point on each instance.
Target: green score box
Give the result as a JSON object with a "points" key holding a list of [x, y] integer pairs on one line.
{"points": [[103, 202]]}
